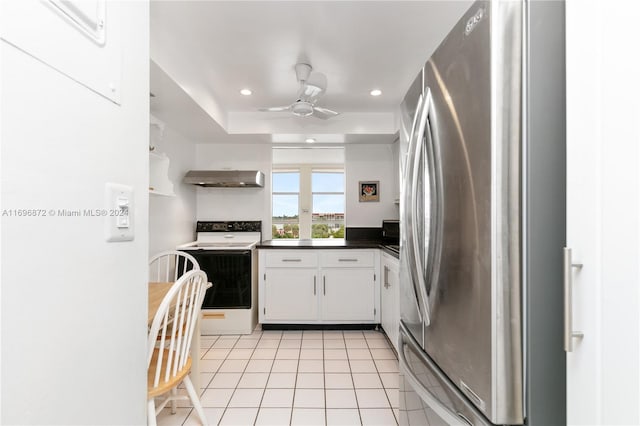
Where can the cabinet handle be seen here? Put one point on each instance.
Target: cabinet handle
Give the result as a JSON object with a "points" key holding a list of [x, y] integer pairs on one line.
{"points": [[324, 285], [292, 260], [314, 285], [348, 260], [569, 334], [386, 276]]}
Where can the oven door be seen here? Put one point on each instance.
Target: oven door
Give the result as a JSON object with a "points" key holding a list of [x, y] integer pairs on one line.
{"points": [[230, 273]]}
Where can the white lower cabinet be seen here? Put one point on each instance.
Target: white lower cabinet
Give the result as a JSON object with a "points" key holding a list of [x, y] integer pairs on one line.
{"points": [[390, 298], [348, 294], [291, 294], [308, 286]]}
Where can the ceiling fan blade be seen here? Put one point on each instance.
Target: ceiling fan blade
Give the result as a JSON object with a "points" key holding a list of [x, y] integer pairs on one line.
{"points": [[324, 113], [275, 109]]}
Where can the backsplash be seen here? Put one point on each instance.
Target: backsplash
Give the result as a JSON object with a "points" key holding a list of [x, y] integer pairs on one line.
{"points": [[363, 234]]}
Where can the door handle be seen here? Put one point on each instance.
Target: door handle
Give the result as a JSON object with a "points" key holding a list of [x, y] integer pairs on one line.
{"points": [[569, 334], [314, 285], [417, 260], [324, 285], [386, 276], [408, 185]]}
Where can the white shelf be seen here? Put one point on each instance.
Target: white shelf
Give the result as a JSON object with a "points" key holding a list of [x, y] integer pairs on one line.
{"points": [[159, 182]]}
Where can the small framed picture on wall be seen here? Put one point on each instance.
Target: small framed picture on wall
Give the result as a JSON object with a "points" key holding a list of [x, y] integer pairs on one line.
{"points": [[369, 190]]}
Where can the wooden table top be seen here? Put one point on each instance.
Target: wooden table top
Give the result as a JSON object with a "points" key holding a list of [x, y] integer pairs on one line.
{"points": [[157, 291]]}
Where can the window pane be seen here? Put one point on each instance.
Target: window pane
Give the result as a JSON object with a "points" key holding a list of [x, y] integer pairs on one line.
{"points": [[285, 221], [327, 220], [325, 203], [286, 182], [327, 182]]}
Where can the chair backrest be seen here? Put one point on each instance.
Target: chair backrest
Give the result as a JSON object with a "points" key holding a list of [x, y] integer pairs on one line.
{"points": [[168, 266], [173, 325]]}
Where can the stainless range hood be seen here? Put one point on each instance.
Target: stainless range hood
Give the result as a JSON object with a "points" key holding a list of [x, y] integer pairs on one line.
{"points": [[226, 178]]}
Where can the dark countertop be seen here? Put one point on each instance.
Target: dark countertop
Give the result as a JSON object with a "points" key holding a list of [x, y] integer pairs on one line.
{"points": [[328, 243]]}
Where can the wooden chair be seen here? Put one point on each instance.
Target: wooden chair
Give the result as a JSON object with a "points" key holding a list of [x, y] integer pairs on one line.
{"points": [[169, 344], [168, 266]]}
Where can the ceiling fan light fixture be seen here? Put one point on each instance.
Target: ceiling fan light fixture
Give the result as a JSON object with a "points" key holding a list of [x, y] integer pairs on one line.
{"points": [[246, 92], [302, 109], [375, 92]]}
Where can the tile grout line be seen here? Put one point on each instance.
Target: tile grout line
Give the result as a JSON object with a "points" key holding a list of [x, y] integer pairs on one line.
{"points": [[264, 390], [323, 372], [218, 371], [241, 374], [205, 388], [383, 388]]}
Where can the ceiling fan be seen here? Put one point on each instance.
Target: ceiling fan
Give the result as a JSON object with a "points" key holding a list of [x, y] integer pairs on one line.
{"points": [[312, 86]]}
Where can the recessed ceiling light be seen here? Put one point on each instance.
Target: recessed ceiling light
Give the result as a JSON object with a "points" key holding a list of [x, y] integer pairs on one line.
{"points": [[309, 140], [375, 92], [245, 92]]}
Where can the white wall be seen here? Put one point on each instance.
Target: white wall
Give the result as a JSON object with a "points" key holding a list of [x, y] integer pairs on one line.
{"points": [[235, 203], [73, 306], [323, 156], [362, 162], [371, 162], [172, 219]]}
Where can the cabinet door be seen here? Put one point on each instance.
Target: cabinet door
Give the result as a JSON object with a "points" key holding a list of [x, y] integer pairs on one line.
{"points": [[291, 295], [386, 302], [390, 300], [348, 294]]}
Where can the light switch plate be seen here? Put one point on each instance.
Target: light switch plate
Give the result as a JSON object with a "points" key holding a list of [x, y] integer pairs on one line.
{"points": [[119, 211]]}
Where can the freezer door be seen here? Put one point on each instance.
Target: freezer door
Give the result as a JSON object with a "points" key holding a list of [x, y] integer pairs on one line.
{"points": [[426, 396], [471, 272]]}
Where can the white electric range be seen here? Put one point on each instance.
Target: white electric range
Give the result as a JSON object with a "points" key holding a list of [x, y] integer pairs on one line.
{"points": [[226, 252]]}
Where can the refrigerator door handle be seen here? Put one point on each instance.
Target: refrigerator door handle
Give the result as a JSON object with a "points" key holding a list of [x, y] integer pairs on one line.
{"points": [[569, 334], [418, 265], [436, 201], [423, 392], [409, 184]]}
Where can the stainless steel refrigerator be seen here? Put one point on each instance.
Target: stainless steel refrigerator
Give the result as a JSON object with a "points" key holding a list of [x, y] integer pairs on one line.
{"points": [[483, 222]]}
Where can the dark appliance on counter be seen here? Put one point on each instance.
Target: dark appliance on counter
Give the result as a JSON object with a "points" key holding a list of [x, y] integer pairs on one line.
{"points": [[391, 234], [226, 252]]}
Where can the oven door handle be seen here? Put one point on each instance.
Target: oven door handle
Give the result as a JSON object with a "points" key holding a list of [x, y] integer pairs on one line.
{"points": [[200, 251]]}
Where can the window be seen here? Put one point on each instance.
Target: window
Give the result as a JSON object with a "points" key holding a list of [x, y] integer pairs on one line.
{"points": [[327, 190], [308, 202], [285, 222]]}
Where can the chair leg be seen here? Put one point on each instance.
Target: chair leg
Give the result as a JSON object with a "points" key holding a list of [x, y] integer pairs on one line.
{"points": [[151, 412], [195, 400], [174, 404]]}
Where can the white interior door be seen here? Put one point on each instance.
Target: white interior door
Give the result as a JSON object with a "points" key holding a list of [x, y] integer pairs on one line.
{"points": [[603, 216]]}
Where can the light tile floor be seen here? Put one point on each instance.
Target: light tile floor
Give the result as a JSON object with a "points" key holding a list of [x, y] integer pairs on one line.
{"points": [[278, 378]]}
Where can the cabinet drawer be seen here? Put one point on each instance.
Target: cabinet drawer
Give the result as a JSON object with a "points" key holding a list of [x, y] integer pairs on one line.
{"points": [[347, 258], [291, 258]]}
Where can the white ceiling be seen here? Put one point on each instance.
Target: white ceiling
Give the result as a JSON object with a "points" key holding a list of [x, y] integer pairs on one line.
{"points": [[212, 49]]}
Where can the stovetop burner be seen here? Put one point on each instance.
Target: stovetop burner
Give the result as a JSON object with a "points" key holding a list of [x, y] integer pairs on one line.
{"points": [[219, 235]]}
